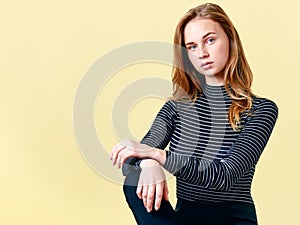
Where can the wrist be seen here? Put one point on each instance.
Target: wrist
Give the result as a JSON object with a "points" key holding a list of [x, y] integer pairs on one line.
{"points": [[148, 162], [160, 156]]}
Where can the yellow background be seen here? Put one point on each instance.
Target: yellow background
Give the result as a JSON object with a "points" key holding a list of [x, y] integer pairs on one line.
{"points": [[46, 48]]}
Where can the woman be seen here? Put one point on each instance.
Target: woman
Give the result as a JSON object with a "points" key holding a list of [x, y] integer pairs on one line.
{"points": [[217, 130]]}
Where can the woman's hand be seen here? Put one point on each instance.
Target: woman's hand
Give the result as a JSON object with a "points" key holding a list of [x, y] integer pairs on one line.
{"points": [[128, 148], [152, 185]]}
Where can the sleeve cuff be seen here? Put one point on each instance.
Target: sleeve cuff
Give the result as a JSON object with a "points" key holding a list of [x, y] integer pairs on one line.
{"points": [[175, 163]]}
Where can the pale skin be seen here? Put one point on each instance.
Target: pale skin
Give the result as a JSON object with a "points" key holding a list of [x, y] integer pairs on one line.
{"points": [[208, 49], [152, 185]]}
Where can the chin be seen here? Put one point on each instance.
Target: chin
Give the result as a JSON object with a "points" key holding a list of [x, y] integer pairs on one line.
{"points": [[208, 73]]}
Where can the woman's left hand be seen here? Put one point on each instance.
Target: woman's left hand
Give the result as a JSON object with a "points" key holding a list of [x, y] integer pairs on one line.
{"points": [[128, 148]]}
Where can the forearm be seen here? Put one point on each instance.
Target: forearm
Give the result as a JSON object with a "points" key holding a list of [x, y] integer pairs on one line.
{"points": [[158, 155], [158, 160], [141, 156]]}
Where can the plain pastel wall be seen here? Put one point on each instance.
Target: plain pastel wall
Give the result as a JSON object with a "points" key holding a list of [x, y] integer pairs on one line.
{"points": [[46, 48]]}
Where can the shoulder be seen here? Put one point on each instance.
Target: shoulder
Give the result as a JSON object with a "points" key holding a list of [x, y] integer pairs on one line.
{"points": [[169, 109], [264, 103], [264, 106], [170, 105]]}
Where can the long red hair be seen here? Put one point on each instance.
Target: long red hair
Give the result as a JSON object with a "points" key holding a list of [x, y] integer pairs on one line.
{"points": [[237, 72]]}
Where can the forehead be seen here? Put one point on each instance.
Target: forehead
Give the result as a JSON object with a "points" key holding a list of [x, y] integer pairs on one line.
{"points": [[197, 28]]}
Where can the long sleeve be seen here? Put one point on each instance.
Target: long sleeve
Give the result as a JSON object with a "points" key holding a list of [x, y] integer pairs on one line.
{"points": [[242, 156], [158, 136]]}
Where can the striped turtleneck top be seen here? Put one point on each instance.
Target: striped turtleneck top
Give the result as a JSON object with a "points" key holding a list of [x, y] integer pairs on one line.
{"points": [[211, 161]]}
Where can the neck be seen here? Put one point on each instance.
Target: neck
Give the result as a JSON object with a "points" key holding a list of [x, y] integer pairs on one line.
{"points": [[215, 92], [214, 81]]}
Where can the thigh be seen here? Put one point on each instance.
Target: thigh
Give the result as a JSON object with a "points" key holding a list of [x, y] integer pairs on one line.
{"points": [[244, 214], [208, 213], [164, 216], [204, 213]]}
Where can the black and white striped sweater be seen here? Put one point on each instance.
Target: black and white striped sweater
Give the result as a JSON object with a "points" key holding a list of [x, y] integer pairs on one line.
{"points": [[211, 161]]}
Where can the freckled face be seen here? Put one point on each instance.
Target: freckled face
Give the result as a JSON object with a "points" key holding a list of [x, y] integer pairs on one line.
{"points": [[208, 49]]}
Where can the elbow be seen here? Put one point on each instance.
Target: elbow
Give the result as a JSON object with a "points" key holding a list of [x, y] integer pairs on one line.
{"points": [[221, 185], [224, 184], [223, 188], [226, 179]]}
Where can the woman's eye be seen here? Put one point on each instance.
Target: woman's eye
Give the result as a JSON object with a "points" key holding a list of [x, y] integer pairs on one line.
{"points": [[210, 40], [192, 47]]}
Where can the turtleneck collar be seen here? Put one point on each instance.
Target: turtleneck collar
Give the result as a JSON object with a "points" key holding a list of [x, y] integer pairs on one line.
{"points": [[211, 91]]}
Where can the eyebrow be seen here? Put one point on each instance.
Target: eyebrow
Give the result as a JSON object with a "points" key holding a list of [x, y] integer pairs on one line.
{"points": [[204, 36]]}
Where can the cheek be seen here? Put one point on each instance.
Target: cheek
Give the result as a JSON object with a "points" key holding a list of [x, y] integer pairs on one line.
{"points": [[226, 53], [193, 59], [226, 50], [223, 53]]}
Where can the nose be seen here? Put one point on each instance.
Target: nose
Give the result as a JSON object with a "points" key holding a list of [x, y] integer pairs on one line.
{"points": [[202, 53]]}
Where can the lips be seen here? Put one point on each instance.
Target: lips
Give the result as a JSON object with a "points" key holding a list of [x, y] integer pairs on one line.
{"points": [[206, 64]]}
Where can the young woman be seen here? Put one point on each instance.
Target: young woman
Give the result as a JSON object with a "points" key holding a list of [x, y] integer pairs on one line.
{"points": [[217, 130]]}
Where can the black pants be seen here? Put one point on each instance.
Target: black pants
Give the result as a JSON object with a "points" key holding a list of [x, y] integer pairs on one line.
{"points": [[187, 212]]}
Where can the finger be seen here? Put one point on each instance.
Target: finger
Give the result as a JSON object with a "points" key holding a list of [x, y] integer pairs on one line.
{"points": [[120, 155], [116, 152], [144, 195], [139, 191], [166, 191], [150, 197], [158, 195], [125, 154]]}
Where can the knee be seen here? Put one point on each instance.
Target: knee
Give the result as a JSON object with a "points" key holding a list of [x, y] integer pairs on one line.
{"points": [[129, 188]]}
